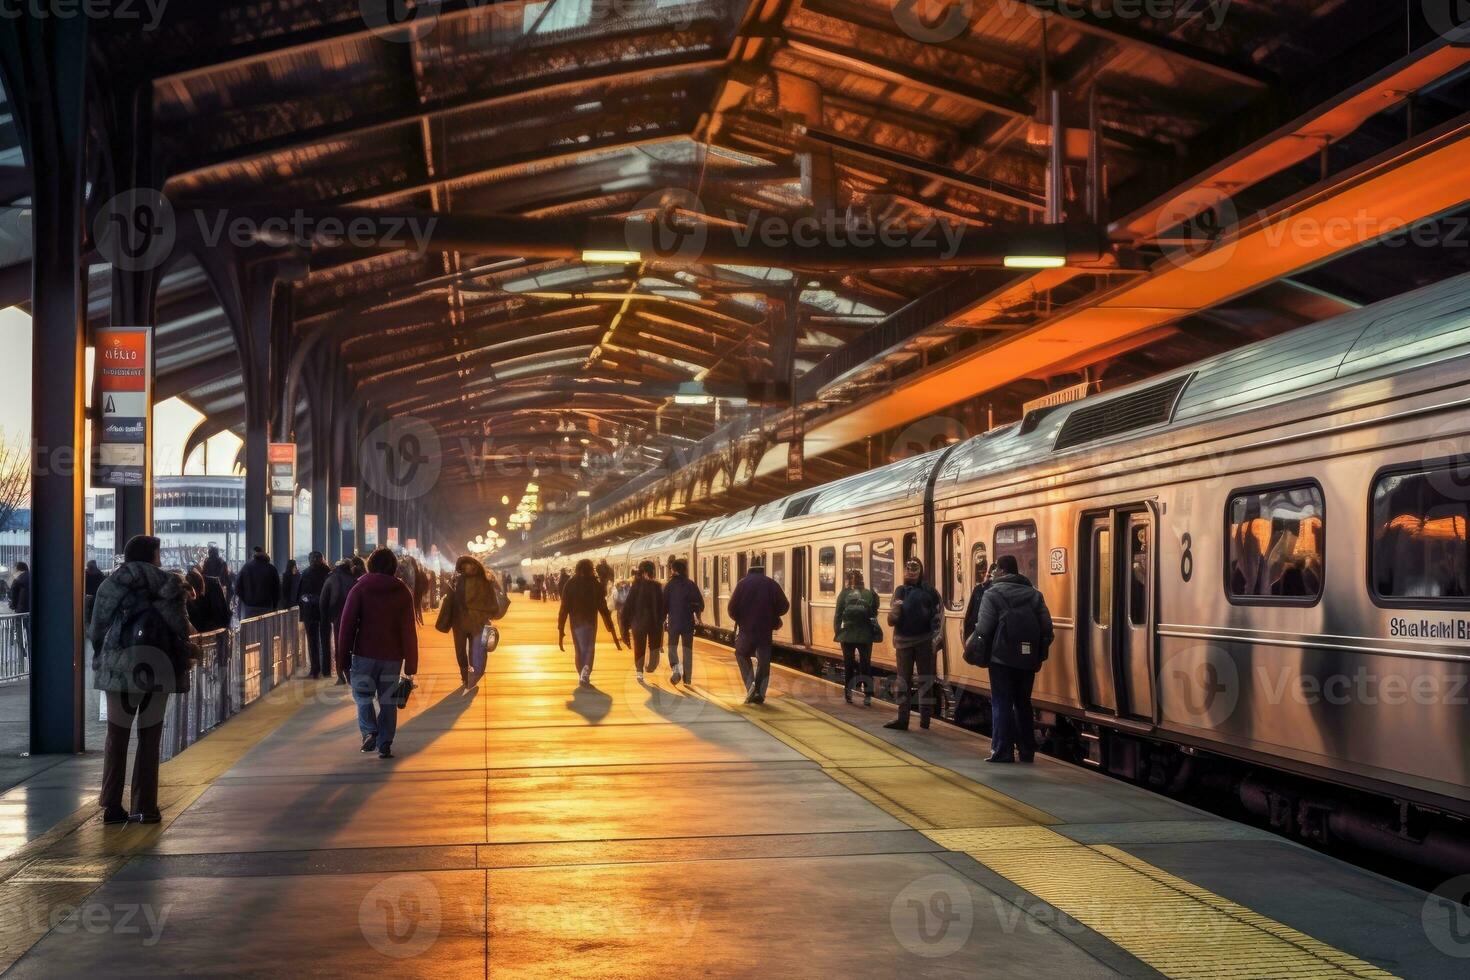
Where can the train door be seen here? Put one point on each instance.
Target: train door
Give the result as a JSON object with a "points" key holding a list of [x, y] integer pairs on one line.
{"points": [[717, 612], [799, 610], [1117, 613]]}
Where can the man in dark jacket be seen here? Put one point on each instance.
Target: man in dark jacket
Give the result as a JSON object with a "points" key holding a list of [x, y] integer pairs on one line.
{"points": [[258, 585], [93, 578], [582, 602], [377, 641], [916, 617], [333, 600], [19, 598], [214, 565], [318, 630], [642, 617], [604, 575], [756, 608], [684, 603], [1015, 633], [972, 608], [137, 679]]}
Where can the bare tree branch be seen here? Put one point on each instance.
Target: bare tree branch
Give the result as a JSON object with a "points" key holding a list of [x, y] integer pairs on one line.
{"points": [[15, 478]]}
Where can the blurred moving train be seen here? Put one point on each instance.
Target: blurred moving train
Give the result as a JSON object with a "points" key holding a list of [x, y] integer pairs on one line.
{"points": [[1261, 559]]}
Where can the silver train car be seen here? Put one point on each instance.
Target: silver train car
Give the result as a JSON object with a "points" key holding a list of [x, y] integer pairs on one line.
{"points": [[1262, 557]]}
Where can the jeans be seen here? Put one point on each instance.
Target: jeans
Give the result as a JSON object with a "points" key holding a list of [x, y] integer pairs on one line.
{"points": [[645, 643], [122, 711], [857, 667], [747, 648], [684, 638], [462, 642], [1013, 727], [375, 679], [319, 648], [329, 641], [921, 655], [584, 645]]}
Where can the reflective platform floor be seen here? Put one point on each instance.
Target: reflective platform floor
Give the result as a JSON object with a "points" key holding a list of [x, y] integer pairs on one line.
{"points": [[535, 828]]}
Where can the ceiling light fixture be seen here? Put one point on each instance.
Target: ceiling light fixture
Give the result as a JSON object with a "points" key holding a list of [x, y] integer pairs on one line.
{"points": [[611, 256], [1035, 261]]}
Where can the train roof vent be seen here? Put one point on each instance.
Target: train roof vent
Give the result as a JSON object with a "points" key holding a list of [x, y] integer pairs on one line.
{"points": [[799, 506], [686, 533], [1033, 419], [1136, 410]]}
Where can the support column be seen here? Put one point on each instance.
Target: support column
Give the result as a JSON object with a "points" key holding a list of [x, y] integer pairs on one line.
{"points": [[280, 546], [323, 513], [44, 64]]}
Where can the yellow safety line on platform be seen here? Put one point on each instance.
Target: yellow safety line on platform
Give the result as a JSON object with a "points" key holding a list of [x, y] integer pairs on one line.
{"points": [[60, 869], [1177, 928]]}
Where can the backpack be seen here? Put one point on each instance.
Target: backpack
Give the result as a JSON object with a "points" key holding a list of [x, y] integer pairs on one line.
{"points": [[502, 602], [915, 612], [856, 611], [1017, 640], [145, 633]]}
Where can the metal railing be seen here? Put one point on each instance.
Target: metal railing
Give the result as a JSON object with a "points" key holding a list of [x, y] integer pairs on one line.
{"points": [[15, 646], [237, 669]]}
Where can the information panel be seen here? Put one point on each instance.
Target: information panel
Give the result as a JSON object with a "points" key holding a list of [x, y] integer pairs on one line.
{"points": [[282, 468], [124, 369]]}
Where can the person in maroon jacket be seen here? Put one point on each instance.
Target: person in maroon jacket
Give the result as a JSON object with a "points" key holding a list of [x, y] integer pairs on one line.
{"points": [[376, 641]]}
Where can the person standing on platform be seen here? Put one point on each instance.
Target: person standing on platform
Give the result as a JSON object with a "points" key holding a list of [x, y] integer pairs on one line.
{"points": [[376, 643], [141, 654], [333, 600], [19, 598], [605, 576], [853, 625], [756, 608], [309, 601], [214, 566], [916, 617], [684, 602], [290, 585], [474, 599], [582, 601], [208, 610], [642, 618], [93, 578], [1013, 637], [258, 585], [972, 608]]}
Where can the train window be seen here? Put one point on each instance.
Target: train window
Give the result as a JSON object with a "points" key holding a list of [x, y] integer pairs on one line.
{"points": [[1102, 576], [1138, 575], [1018, 540], [910, 547], [1276, 542], [954, 566], [880, 566], [978, 564], [725, 570], [777, 568], [827, 571], [1420, 529], [852, 561], [704, 572]]}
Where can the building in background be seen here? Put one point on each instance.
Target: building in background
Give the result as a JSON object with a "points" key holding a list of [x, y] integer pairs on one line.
{"points": [[190, 513]]}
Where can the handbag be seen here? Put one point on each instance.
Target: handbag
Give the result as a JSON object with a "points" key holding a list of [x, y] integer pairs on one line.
{"points": [[445, 622], [877, 631], [399, 695]]}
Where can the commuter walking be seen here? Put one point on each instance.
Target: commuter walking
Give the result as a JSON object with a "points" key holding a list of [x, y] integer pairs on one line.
{"points": [[915, 615], [855, 627], [141, 653], [474, 599], [309, 601], [376, 643], [684, 603], [290, 585], [642, 618], [582, 601], [1013, 638], [333, 600], [756, 608], [258, 585]]}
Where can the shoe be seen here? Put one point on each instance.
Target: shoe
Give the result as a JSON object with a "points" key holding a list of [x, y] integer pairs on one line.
{"points": [[1028, 759], [751, 697], [113, 815], [640, 677], [924, 723], [585, 676], [385, 752], [148, 816], [370, 743], [760, 699], [867, 700], [999, 758], [676, 676], [897, 726], [847, 695]]}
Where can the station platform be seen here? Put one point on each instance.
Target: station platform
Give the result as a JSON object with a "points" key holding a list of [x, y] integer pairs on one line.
{"points": [[535, 828]]}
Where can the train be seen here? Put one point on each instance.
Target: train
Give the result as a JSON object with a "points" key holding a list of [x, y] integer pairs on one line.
{"points": [[1259, 559]]}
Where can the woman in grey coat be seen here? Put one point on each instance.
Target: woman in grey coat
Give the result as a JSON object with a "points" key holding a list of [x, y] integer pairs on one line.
{"points": [[137, 678]]}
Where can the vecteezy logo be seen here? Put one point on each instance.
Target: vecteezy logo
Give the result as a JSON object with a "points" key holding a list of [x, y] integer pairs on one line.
{"points": [[1202, 686], [1190, 229], [1447, 451], [933, 916], [1449, 17], [401, 916], [666, 236], [401, 458], [400, 20], [920, 19], [1446, 917], [136, 230], [933, 432]]}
